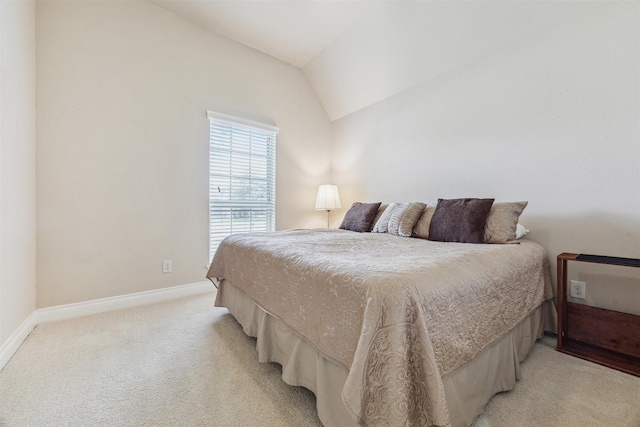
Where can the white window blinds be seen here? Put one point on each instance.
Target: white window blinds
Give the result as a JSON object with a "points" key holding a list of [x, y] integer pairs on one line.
{"points": [[242, 163]]}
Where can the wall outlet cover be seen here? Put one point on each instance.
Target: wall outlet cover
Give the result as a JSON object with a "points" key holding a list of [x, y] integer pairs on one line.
{"points": [[167, 266], [578, 289]]}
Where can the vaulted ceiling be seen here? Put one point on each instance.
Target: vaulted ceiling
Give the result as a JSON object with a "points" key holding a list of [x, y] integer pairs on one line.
{"points": [[357, 53]]}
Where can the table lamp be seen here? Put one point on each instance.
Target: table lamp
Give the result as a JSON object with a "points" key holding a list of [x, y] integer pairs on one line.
{"points": [[328, 199]]}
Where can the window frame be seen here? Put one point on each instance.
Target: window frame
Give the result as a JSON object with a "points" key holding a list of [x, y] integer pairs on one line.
{"points": [[266, 138]]}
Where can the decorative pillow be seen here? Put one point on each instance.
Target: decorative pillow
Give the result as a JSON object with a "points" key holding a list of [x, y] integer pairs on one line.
{"points": [[460, 220], [382, 226], [421, 229], [378, 215], [394, 219], [404, 218], [502, 222], [360, 217]]}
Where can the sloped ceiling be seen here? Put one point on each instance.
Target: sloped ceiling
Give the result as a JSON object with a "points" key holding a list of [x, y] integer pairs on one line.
{"points": [[357, 53]]}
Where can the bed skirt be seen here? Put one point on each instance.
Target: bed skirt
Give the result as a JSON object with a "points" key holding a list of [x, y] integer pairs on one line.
{"points": [[467, 389]]}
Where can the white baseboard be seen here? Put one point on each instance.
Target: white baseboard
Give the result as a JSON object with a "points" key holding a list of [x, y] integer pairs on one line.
{"points": [[10, 346], [86, 308]]}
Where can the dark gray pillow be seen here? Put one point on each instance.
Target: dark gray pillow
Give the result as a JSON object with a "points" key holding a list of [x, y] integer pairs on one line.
{"points": [[360, 217], [460, 220]]}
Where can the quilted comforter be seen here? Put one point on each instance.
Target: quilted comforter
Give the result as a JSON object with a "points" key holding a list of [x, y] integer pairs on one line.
{"points": [[398, 313]]}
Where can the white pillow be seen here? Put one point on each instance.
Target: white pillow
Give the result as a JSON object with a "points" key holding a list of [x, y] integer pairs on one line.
{"points": [[382, 224], [521, 231]]}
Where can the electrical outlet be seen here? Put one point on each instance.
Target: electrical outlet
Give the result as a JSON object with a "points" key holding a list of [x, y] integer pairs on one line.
{"points": [[578, 289], [166, 266]]}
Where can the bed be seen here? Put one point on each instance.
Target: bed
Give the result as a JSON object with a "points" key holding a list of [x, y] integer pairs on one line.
{"points": [[388, 330]]}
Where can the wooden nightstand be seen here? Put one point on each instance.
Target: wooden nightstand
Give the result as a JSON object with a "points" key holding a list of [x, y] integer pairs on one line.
{"points": [[607, 337]]}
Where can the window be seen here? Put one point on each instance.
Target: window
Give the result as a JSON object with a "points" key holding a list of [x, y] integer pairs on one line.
{"points": [[242, 163]]}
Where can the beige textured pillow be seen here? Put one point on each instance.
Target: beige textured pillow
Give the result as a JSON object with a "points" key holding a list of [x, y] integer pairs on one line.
{"points": [[410, 218], [502, 222], [404, 218], [421, 229], [382, 225]]}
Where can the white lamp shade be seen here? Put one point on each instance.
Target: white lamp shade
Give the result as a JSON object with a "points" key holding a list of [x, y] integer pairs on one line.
{"points": [[328, 198]]}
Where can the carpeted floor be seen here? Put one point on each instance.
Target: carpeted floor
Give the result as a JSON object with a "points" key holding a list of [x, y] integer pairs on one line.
{"points": [[187, 363]]}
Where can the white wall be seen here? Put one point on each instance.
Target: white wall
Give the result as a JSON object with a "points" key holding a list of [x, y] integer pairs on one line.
{"points": [[395, 46], [123, 88], [554, 120], [122, 160], [17, 165]]}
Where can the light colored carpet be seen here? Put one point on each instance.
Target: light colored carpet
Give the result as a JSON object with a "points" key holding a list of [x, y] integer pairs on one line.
{"points": [[187, 363], [556, 389]]}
